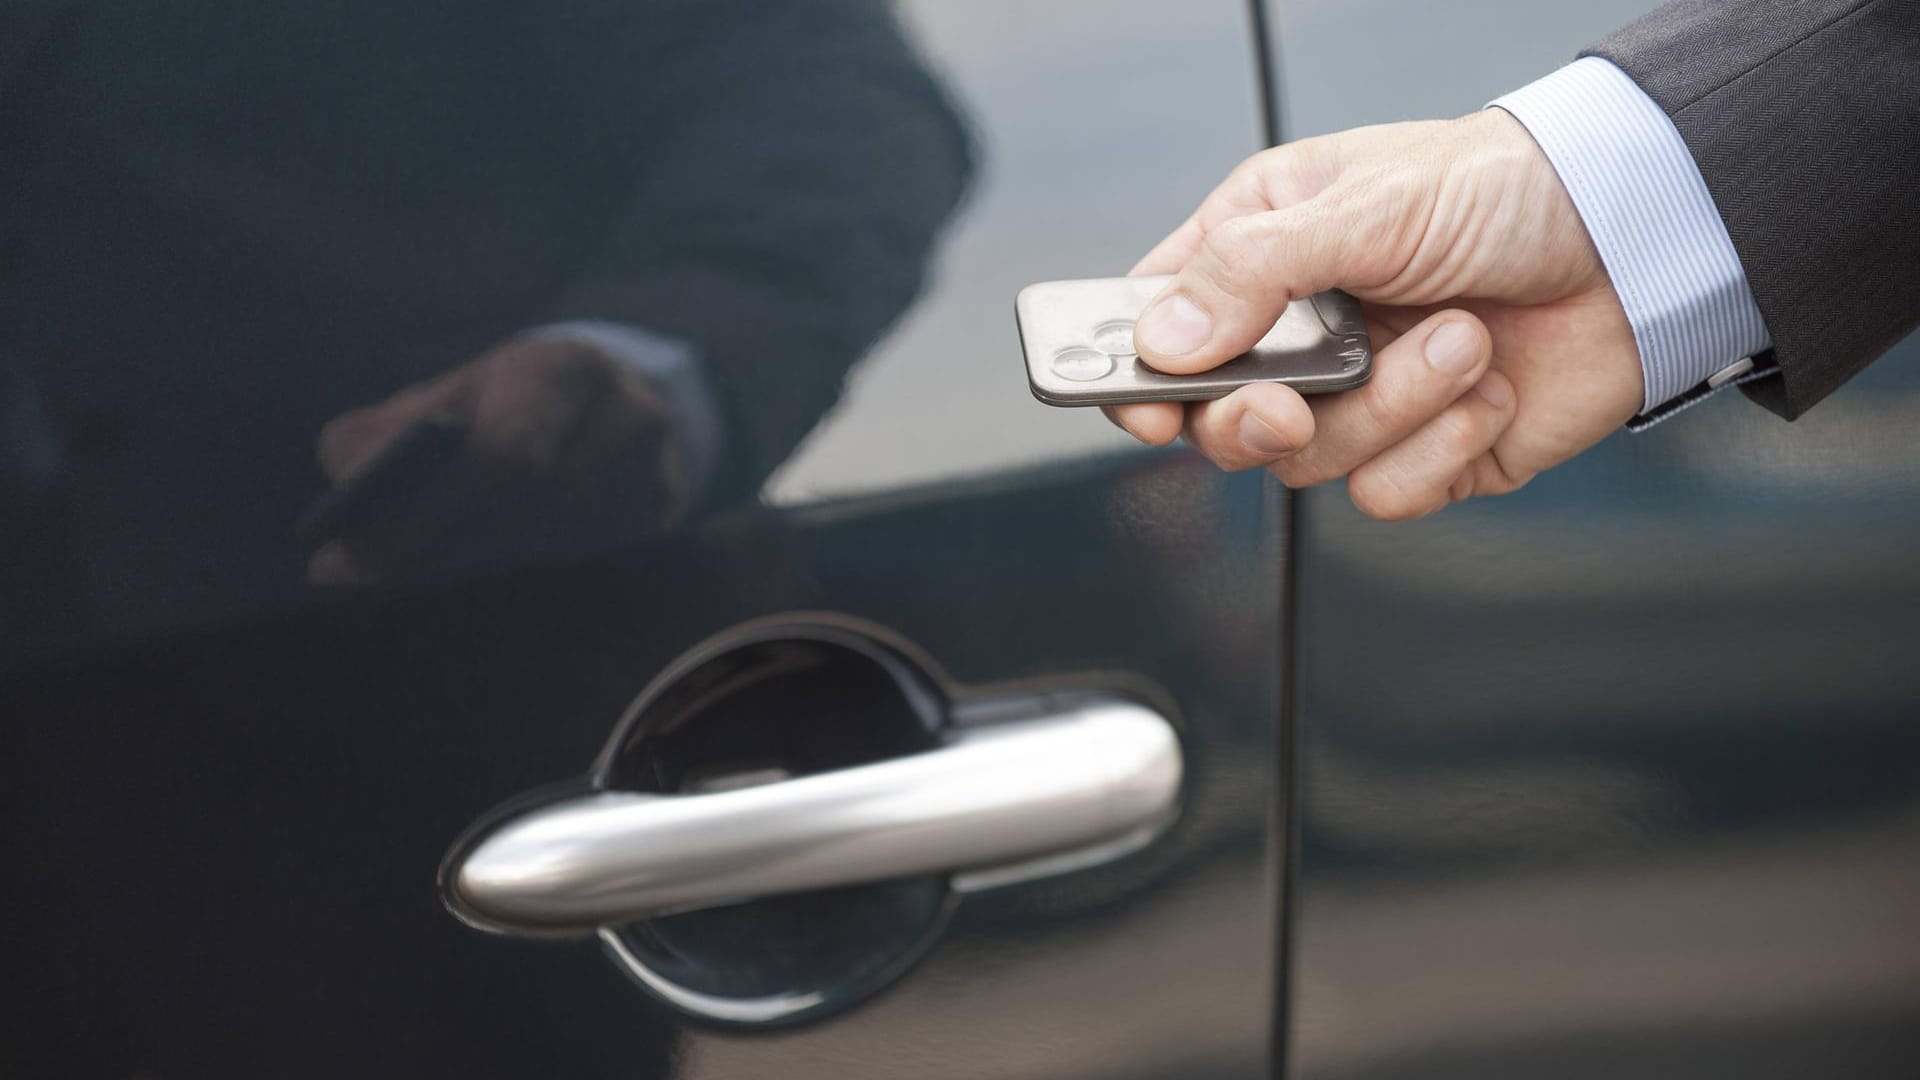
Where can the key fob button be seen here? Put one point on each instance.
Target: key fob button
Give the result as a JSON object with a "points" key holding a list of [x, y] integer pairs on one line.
{"points": [[1114, 338], [1081, 364]]}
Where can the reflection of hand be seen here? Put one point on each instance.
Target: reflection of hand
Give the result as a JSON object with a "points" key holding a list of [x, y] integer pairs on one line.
{"points": [[563, 451], [1408, 217]]}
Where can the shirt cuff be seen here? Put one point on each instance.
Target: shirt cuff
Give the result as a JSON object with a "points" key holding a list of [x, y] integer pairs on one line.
{"points": [[671, 366], [1643, 201]]}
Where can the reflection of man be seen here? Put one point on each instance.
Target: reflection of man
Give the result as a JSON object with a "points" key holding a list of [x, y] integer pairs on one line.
{"points": [[626, 249]]}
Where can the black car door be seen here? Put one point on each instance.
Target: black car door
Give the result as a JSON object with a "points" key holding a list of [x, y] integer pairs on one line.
{"points": [[1615, 776], [608, 412]]}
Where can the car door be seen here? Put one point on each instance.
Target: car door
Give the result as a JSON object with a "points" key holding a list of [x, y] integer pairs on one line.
{"points": [[599, 428], [1615, 776]]}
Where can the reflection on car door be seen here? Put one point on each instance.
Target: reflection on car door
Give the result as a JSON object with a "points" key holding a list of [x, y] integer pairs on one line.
{"points": [[390, 400], [1622, 782]]}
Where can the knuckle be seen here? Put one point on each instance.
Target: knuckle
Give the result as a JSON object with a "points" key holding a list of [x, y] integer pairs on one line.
{"points": [[1256, 166], [335, 444], [1298, 471], [1460, 437], [1500, 477], [1236, 258], [1272, 155], [566, 366], [1382, 404], [1287, 472], [1379, 497], [1498, 485], [1222, 450], [1252, 165], [333, 433]]}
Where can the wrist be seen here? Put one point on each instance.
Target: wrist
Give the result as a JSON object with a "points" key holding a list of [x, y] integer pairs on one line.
{"points": [[1652, 220], [1547, 253]]}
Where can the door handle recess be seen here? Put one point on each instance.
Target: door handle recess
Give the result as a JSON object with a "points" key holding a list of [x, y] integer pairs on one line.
{"points": [[1094, 774]]}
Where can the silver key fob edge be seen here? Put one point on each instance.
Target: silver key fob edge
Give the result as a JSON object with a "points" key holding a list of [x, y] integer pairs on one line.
{"points": [[1077, 337]]}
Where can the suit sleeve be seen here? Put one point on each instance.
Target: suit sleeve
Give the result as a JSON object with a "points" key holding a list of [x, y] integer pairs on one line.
{"points": [[804, 163], [1804, 119]]}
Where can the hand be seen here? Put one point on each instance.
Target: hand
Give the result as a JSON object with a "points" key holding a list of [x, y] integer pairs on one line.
{"points": [[561, 451], [1501, 349]]}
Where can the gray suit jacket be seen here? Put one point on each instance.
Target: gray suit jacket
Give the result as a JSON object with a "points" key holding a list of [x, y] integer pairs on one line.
{"points": [[1804, 117]]}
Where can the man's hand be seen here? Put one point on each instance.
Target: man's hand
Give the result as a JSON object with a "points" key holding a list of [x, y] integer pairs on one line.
{"points": [[1501, 349], [562, 451]]}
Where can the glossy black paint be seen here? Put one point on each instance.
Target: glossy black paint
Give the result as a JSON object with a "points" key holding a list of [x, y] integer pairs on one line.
{"points": [[1620, 775], [226, 842], [250, 698]]}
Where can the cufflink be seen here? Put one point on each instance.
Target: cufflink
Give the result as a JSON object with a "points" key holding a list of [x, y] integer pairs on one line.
{"points": [[1740, 371], [1729, 373]]}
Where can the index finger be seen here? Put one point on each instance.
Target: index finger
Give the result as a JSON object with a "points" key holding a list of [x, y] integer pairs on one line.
{"points": [[1272, 179]]}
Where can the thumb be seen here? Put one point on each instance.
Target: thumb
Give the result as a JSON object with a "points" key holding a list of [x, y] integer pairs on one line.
{"points": [[1242, 277]]}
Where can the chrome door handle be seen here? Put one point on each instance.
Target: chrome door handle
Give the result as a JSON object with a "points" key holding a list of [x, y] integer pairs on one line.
{"points": [[1098, 773]]}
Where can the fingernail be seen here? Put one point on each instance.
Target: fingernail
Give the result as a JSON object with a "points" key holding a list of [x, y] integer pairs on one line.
{"points": [[1453, 349], [1496, 391], [1173, 326], [1259, 437]]}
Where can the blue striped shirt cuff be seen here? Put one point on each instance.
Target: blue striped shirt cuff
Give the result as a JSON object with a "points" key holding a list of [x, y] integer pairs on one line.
{"points": [[1660, 236]]}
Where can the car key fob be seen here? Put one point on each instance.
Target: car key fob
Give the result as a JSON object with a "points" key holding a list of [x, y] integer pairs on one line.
{"points": [[1078, 341]]}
